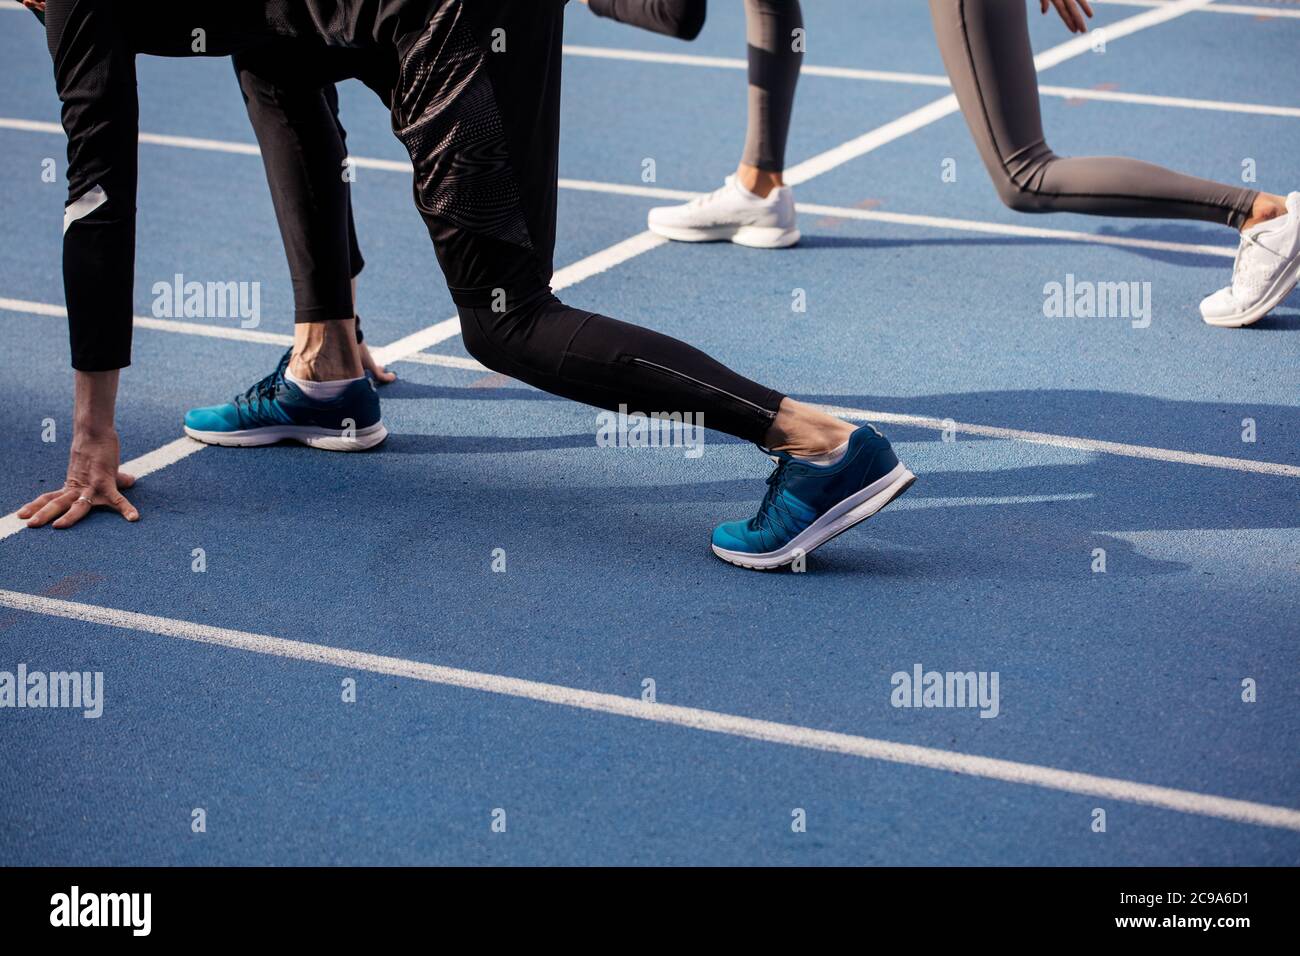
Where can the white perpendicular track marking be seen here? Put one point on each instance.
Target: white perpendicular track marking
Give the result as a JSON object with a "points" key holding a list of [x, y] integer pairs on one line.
{"points": [[868, 748]]}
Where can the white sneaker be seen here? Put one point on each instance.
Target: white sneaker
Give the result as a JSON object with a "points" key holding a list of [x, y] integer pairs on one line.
{"points": [[733, 213], [1266, 270]]}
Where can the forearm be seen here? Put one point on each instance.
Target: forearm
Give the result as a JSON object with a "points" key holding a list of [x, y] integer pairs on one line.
{"points": [[94, 404]]}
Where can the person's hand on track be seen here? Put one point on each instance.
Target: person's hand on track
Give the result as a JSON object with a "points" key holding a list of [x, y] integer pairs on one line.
{"points": [[381, 375], [1072, 13], [93, 480]]}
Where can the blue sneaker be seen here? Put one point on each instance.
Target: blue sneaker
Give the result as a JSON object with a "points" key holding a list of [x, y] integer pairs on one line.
{"points": [[275, 409], [807, 505]]}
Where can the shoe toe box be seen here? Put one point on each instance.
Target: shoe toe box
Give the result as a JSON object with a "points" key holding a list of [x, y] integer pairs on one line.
{"points": [[1218, 305], [735, 536], [212, 418]]}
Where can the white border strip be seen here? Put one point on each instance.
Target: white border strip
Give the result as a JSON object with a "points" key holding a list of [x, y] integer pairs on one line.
{"points": [[572, 274], [792, 735], [932, 79], [1274, 469], [9, 524], [1237, 8]]}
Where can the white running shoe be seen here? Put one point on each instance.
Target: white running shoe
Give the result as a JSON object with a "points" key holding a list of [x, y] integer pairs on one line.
{"points": [[733, 213], [1266, 270]]}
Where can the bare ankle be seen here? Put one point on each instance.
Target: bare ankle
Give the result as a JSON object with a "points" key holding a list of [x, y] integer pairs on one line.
{"points": [[1267, 206], [760, 182], [325, 351], [805, 432]]}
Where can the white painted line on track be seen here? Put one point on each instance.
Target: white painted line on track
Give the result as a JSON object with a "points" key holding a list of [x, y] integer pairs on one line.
{"points": [[1008, 229], [1241, 9], [792, 735], [931, 79], [572, 274], [146, 464], [914, 219], [1275, 469], [232, 332]]}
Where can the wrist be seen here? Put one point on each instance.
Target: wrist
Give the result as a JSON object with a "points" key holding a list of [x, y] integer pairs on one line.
{"points": [[94, 405]]}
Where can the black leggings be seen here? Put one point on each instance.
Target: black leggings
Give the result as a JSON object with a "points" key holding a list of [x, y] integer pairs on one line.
{"points": [[482, 130], [474, 90], [303, 145]]}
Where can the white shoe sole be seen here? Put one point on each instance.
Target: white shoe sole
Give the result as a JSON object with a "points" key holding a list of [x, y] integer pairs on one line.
{"points": [[857, 507], [756, 237], [327, 439], [1282, 286]]}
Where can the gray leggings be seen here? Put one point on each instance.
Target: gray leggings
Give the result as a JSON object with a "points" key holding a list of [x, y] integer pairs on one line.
{"points": [[775, 55], [985, 47]]}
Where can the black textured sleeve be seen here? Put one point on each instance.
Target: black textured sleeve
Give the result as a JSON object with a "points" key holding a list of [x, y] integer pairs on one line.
{"points": [[682, 19]]}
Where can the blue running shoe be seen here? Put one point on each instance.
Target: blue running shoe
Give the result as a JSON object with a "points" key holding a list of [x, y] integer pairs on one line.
{"points": [[807, 505], [275, 409]]}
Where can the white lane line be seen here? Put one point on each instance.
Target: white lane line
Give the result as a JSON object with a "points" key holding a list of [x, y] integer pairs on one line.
{"points": [[220, 332], [867, 748], [880, 136], [1241, 9], [417, 341], [731, 63], [1275, 469], [146, 464], [947, 105], [158, 325], [447, 361], [1005, 229], [913, 219], [1182, 102], [931, 79], [572, 274]]}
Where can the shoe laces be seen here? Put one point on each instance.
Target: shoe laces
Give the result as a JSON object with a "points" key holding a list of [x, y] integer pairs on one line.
{"points": [[707, 198], [264, 390], [772, 511], [1248, 242]]}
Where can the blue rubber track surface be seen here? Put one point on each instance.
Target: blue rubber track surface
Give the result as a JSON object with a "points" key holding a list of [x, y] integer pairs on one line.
{"points": [[1134, 674]]}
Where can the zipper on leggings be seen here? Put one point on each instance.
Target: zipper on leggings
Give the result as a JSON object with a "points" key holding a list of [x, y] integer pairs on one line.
{"points": [[769, 415]]}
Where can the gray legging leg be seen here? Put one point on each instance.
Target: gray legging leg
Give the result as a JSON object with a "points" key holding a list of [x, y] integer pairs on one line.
{"points": [[985, 47], [773, 73]]}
